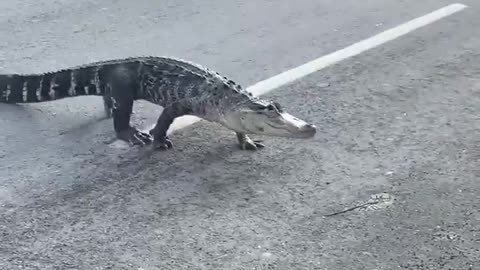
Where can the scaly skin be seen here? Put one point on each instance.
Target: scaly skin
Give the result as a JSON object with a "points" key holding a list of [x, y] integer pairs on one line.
{"points": [[179, 86]]}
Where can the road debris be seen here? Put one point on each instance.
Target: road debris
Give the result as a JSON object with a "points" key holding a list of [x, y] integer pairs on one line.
{"points": [[377, 201]]}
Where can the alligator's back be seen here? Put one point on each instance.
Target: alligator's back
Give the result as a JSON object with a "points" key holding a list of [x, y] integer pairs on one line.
{"points": [[92, 79], [166, 80]]}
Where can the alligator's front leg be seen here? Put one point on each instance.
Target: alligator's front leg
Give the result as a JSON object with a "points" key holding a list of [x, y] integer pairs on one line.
{"points": [[169, 113], [246, 143]]}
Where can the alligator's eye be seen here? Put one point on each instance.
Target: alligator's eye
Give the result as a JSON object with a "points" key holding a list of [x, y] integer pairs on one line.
{"points": [[278, 106], [271, 107]]}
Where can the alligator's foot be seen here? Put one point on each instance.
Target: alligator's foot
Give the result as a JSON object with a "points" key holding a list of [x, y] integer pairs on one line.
{"points": [[246, 143], [134, 136], [163, 143], [160, 142]]}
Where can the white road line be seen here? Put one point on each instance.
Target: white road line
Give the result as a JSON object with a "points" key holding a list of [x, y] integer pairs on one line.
{"points": [[353, 50], [291, 75]]}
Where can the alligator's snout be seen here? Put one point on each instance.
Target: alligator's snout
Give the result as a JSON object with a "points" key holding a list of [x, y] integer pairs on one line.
{"points": [[307, 131], [297, 128]]}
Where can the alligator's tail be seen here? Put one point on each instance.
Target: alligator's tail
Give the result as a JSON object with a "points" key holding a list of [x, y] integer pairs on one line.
{"points": [[17, 88]]}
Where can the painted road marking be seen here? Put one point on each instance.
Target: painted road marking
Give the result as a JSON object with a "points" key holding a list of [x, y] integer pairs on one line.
{"points": [[352, 50], [294, 74]]}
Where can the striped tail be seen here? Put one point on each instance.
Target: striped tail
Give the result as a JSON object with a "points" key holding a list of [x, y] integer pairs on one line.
{"points": [[17, 88]]}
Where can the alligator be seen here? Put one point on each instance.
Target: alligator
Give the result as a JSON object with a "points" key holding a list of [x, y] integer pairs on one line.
{"points": [[179, 86]]}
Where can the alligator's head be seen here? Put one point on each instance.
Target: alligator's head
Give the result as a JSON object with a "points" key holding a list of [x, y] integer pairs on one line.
{"points": [[269, 119]]}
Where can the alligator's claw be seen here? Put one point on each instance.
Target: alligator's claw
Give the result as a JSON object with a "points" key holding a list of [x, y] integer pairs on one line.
{"points": [[163, 143], [246, 143], [135, 136], [252, 145]]}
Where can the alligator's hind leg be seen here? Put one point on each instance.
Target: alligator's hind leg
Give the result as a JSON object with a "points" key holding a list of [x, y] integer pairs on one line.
{"points": [[108, 105], [246, 143], [169, 113], [122, 104]]}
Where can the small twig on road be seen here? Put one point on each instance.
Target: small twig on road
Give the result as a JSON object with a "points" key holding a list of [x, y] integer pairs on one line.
{"points": [[220, 257], [350, 209], [380, 198]]}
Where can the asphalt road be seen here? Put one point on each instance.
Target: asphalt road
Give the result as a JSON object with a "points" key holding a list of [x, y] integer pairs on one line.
{"points": [[402, 119]]}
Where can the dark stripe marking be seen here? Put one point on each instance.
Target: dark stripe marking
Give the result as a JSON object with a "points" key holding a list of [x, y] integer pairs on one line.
{"points": [[16, 89]]}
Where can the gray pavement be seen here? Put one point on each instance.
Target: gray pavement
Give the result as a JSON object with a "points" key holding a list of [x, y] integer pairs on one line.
{"points": [[402, 119]]}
